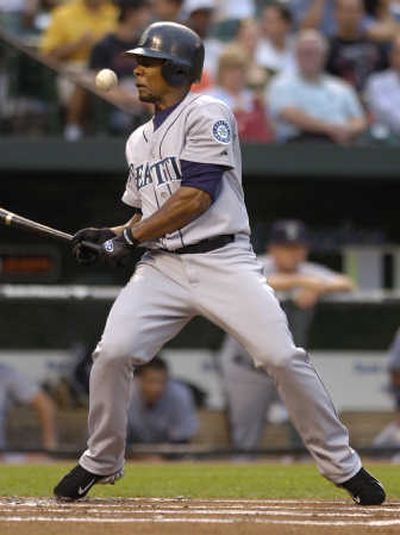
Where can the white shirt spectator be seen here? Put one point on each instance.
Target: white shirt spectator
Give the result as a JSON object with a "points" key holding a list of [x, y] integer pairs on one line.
{"points": [[274, 59], [329, 98], [383, 98], [12, 6]]}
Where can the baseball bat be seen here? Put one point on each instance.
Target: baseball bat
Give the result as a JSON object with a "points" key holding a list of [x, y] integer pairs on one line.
{"points": [[22, 223]]}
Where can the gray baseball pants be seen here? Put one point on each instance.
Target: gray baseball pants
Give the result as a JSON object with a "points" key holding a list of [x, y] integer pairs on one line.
{"points": [[228, 287]]}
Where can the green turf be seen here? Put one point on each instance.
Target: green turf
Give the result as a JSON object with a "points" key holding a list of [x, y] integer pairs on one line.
{"points": [[197, 480]]}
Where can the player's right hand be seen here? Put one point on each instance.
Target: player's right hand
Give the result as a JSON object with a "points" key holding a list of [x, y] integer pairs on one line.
{"points": [[84, 255]]}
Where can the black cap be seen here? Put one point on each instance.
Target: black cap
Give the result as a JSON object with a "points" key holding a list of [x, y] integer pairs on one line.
{"points": [[289, 231]]}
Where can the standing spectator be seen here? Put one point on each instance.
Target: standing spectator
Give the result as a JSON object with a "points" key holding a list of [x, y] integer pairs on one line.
{"points": [[314, 14], [231, 88], [108, 53], [15, 387], [353, 56], [300, 284], [275, 48], [161, 409], [309, 105], [167, 10], [383, 93], [200, 18], [74, 29]]}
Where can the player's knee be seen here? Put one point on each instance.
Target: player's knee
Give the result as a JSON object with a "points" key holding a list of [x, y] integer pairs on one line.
{"points": [[119, 351]]}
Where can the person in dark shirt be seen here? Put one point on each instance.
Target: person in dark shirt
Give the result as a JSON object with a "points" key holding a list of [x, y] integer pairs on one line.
{"points": [[353, 56], [108, 53]]}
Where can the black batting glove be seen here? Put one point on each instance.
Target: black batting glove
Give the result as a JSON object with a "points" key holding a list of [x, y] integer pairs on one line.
{"points": [[117, 252], [81, 252]]}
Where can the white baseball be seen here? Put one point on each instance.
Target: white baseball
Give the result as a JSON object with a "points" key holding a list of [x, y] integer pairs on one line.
{"points": [[106, 79]]}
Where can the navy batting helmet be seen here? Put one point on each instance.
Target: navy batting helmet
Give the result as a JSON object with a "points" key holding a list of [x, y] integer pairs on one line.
{"points": [[180, 47]]}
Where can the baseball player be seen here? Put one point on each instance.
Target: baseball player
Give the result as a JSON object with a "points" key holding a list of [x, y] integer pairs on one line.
{"points": [[250, 392], [185, 190]]}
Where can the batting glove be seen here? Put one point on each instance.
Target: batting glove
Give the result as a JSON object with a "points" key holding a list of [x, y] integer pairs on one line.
{"points": [[117, 252], [82, 253]]}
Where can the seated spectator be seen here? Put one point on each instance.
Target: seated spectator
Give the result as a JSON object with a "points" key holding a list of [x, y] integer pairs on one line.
{"points": [[383, 93], [73, 30], [250, 391], [15, 387], [389, 437], [200, 18], [231, 88], [108, 53], [161, 409], [167, 10], [310, 105], [275, 48], [353, 56]]}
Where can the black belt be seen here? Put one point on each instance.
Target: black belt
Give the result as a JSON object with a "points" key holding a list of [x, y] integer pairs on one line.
{"points": [[204, 246]]}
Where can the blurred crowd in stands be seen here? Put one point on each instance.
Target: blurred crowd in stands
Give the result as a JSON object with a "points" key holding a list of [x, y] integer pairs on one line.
{"points": [[294, 70]]}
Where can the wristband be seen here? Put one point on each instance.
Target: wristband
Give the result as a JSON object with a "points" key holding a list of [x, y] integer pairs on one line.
{"points": [[128, 237]]}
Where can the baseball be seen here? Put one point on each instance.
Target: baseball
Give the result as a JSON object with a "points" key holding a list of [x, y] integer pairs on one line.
{"points": [[106, 79]]}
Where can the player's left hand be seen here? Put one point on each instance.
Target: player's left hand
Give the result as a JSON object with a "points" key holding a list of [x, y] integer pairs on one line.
{"points": [[117, 252]]}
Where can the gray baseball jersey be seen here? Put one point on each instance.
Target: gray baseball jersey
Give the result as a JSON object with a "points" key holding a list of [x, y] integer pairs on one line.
{"points": [[226, 285], [14, 387], [200, 129]]}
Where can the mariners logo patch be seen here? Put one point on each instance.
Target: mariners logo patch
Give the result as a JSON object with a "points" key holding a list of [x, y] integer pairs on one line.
{"points": [[222, 132]]}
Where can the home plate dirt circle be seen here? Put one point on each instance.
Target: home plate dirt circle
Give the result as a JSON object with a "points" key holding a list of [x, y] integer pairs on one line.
{"points": [[185, 515]]}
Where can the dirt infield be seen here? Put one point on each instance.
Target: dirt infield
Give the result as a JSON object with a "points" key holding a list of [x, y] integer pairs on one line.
{"points": [[33, 516]]}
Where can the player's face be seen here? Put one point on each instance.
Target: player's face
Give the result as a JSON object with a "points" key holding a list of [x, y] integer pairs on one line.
{"points": [[150, 82], [152, 385], [287, 257]]}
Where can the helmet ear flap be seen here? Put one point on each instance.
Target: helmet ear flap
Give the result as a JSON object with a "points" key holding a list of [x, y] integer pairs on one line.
{"points": [[175, 75]]}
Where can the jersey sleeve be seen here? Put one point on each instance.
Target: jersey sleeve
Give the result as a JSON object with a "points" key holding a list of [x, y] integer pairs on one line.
{"points": [[211, 131], [131, 195]]}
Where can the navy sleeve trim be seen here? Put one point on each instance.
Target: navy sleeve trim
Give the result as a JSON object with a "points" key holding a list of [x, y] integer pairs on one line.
{"points": [[204, 176]]}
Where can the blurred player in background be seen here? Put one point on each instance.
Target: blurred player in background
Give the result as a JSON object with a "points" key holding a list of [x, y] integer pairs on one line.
{"points": [[390, 435], [251, 393], [161, 409], [16, 387]]}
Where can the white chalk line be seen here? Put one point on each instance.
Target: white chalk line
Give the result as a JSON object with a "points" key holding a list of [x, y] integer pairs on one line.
{"points": [[213, 512], [85, 520]]}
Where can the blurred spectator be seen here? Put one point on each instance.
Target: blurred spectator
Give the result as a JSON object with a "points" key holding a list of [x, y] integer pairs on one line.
{"points": [[200, 18], [390, 435], [250, 391], [232, 9], [309, 105], [74, 29], [37, 14], [249, 109], [314, 14], [383, 93], [353, 56], [167, 10], [161, 410], [12, 15], [108, 53], [275, 48], [16, 387]]}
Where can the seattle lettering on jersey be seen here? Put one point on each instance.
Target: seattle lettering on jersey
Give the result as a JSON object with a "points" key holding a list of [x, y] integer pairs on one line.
{"points": [[158, 173]]}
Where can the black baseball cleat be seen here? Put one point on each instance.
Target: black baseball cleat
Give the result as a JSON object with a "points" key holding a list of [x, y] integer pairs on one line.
{"points": [[365, 489], [77, 483]]}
